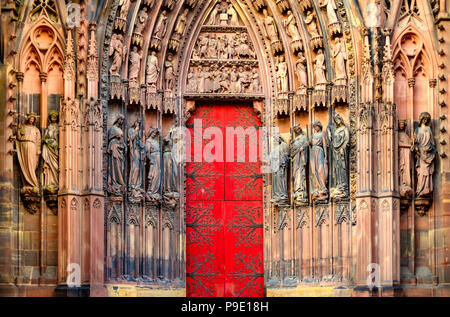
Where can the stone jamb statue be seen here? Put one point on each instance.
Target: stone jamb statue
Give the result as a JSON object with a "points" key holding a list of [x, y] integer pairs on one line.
{"points": [[299, 157]]}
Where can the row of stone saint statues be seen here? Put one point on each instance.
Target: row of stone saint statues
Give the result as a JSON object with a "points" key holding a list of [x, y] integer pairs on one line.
{"points": [[423, 147], [312, 153], [304, 153], [162, 175], [31, 147]]}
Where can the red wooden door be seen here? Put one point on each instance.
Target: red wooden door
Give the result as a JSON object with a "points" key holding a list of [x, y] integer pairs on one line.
{"points": [[224, 215]]}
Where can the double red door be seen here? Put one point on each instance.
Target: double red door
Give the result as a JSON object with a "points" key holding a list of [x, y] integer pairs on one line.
{"points": [[224, 214]]}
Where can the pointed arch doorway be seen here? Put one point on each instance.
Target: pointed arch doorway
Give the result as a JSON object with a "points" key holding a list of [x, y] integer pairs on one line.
{"points": [[224, 206]]}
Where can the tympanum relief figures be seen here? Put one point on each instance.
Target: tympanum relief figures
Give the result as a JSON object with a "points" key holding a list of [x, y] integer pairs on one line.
{"points": [[224, 61]]}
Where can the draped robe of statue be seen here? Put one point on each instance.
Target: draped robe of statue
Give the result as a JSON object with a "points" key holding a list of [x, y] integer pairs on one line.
{"points": [[319, 164], [299, 155], [272, 31], [331, 13], [319, 69], [50, 155], [279, 160], [135, 148], [405, 144], [28, 152], [292, 29], [116, 183], [425, 155], [125, 7], [153, 152], [152, 70], [301, 71], [141, 21], [170, 165], [181, 23], [116, 51], [135, 64], [160, 28], [339, 56], [341, 139]]}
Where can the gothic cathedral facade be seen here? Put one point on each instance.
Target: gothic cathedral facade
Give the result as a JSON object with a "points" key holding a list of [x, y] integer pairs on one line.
{"points": [[107, 190]]}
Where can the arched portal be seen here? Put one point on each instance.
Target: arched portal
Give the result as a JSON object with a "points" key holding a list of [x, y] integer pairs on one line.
{"points": [[285, 66]]}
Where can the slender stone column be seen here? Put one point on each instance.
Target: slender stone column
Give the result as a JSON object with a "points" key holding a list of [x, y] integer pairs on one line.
{"points": [[365, 200], [388, 206]]}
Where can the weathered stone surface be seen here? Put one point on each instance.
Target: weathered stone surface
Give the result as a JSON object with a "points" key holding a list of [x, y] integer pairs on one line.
{"points": [[113, 197]]}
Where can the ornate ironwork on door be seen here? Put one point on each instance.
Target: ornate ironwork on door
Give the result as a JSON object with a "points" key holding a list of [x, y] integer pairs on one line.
{"points": [[224, 215]]}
